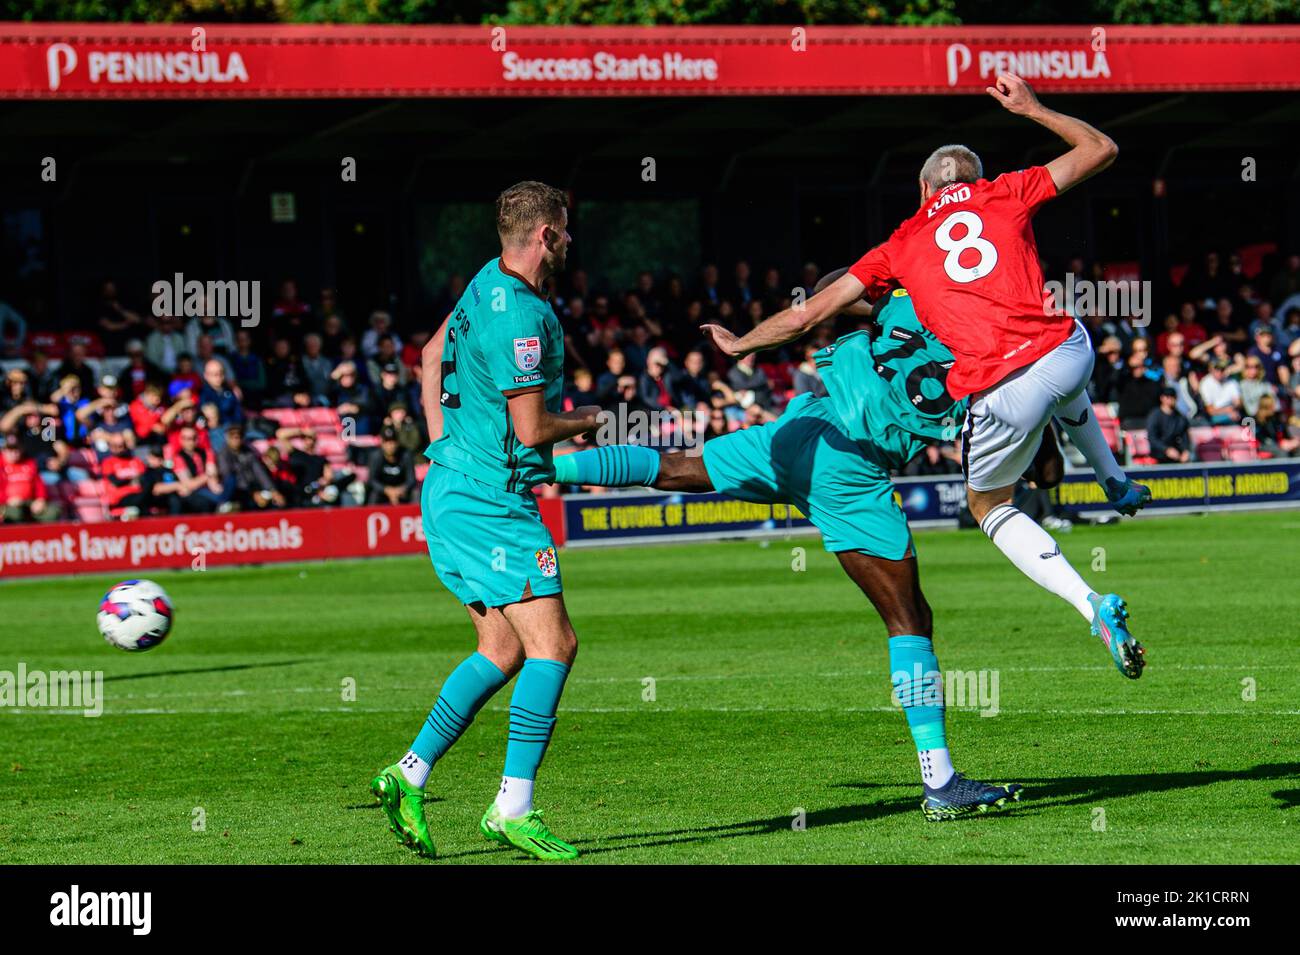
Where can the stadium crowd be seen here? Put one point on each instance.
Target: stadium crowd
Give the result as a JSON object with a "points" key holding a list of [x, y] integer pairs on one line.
{"points": [[134, 414]]}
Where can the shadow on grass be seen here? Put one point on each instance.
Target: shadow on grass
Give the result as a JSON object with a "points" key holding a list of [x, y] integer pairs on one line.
{"points": [[222, 669], [1041, 795]]}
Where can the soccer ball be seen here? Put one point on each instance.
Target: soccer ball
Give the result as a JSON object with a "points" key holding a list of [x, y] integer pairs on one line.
{"points": [[135, 615]]}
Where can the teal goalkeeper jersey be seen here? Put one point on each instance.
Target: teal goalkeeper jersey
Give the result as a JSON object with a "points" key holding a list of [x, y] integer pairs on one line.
{"points": [[890, 391], [503, 336]]}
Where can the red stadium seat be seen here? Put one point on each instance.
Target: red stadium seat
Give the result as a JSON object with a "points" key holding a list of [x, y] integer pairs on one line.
{"points": [[1111, 431], [49, 344], [284, 417], [1247, 450], [90, 510], [332, 447], [1139, 447], [89, 340], [321, 419]]}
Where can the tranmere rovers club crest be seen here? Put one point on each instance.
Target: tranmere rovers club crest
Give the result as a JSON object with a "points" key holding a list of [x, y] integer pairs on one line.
{"points": [[546, 562], [528, 353]]}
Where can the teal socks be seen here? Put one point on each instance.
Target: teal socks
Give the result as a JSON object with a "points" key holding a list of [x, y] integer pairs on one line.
{"points": [[470, 686], [532, 714], [918, 684], [615, 465]]}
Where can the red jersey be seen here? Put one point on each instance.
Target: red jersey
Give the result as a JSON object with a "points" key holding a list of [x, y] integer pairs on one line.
{"points": [[122, 475], [970, 264], [21, 481]]}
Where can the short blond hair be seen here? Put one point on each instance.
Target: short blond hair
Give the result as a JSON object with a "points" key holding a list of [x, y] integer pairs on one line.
{"points": [[949, 164], [525, 206]]}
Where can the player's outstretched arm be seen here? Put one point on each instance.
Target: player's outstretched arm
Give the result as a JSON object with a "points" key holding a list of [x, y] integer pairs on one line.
{"points": [[788, 325], [535, 426], [431, 381], [859, 309], [1091, 150]]}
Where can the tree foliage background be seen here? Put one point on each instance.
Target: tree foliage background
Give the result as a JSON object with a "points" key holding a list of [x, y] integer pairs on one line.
{"points": [[648, 12]]}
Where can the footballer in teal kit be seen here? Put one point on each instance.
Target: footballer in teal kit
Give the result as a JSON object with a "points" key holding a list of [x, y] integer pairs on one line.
{"points": [[491, 389], [831, 458]]}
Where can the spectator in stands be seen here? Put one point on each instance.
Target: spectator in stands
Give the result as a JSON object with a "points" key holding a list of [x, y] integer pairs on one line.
{"points": [[1272, 359], [41, 377], [243, 475], [207, 353], [218, 401], [17, 390], [348, 351], [390, 390], [315, 482], [1286, 282], [291, 317], [125, 494], [707, 291], [690, 386], [717, 424], [353, 399], [1220, 394], [185, 377], [1175, 377], [652, 385], [1107, 370], [410, 435], [282, 476], [392, 476], [333, 323], [185, 412], [105, 415], [198, 479], [213, 326], [413, 348], [137, 372], [1223, 323], [806, 376], [1271, 430], [381, 323], [386, 354], [76, 364], [116, 322], [69, 400], [24, 494], [933, 461], [316, 366], [1190, 326], [332, 332], [607, 385], [809, 276], [284, 375], [1168, 431], [750, 384], [149, 417], [1254, 385], [165, 344], [248, 370], [741, 291], [580, 391], [1137, 393]]}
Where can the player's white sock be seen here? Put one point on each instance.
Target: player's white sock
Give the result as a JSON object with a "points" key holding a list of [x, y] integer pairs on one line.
{"points": [[1037, 555], [1080, 424], [414, 769], [936, 767], [516, 797]]}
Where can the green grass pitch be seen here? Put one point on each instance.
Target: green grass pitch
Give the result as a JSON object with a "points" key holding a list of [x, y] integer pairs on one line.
{"points": [[233, 742]]}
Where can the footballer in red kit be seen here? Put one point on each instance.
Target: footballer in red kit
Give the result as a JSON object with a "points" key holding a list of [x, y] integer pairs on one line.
{"points": [[969, 260]]}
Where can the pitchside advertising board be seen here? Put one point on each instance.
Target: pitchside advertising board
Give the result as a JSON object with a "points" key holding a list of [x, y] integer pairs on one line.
{"points": [[29, 550], [83, 60]]}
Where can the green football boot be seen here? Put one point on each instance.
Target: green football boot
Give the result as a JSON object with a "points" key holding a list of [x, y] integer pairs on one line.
{"points": [[404, 806], [528, 833]]}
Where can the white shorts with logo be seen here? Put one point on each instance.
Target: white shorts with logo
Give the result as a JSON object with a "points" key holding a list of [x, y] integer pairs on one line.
{"points": [[1005, 423]]}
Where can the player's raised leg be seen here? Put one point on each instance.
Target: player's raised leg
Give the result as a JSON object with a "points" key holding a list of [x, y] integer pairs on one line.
{"points": [[627, 465], [400, 787], [550, 646], [893, 587]]}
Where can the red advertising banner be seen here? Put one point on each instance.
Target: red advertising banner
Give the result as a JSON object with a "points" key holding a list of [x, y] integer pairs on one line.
{"points": [[265, 537], [80, 61]]}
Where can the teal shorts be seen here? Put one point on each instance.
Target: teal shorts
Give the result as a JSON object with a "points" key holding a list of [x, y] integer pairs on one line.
{"points": [[488, 546], [804, 458]]}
